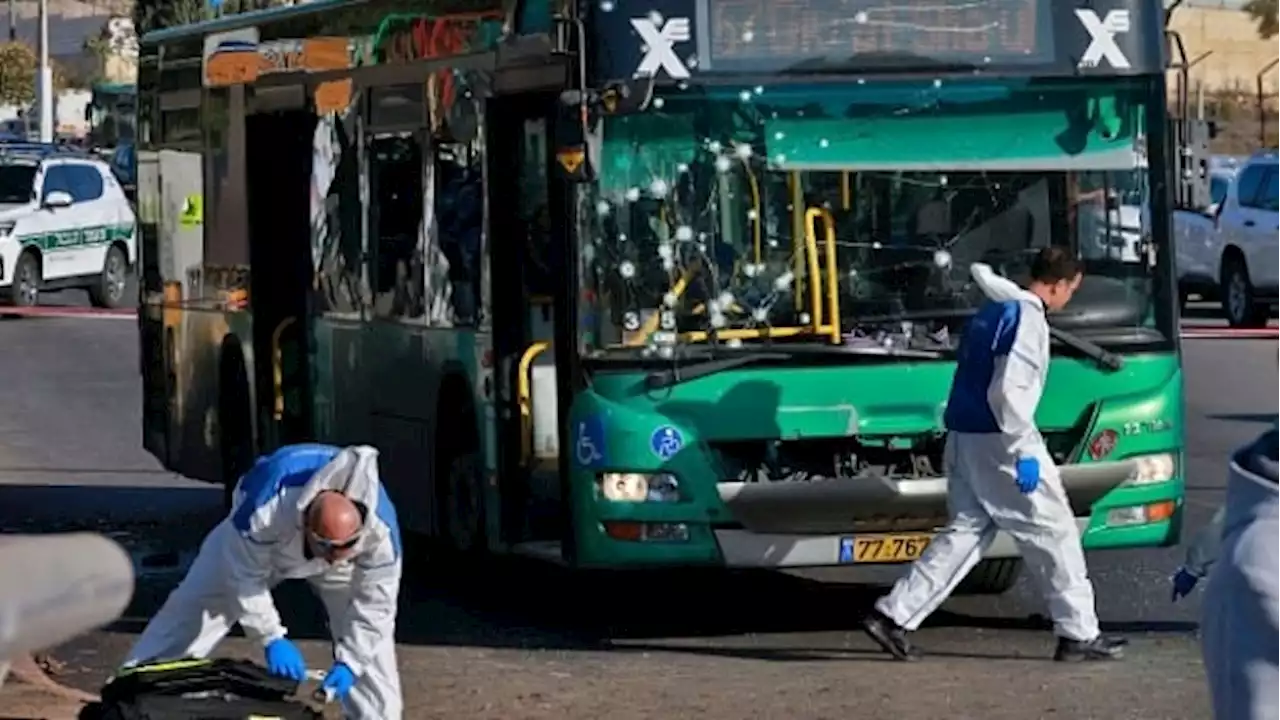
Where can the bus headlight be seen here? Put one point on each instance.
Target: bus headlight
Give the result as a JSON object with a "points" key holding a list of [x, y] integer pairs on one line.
{"points": [[1152, 469], [639, 487]]}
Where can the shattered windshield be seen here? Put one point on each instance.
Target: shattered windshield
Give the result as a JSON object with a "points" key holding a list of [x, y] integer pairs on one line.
{"points": [[848, 214]]}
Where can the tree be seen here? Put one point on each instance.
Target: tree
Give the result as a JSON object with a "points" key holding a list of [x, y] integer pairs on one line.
{"points": [[1263, 13], [18, 64], [151, 15]]}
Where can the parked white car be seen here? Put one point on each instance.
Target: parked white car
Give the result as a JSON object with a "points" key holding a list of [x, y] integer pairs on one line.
{"points": [[64, 223], [1229, 250], [1195, 275]]}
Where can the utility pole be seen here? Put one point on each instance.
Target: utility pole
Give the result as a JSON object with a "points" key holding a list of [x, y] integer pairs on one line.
{"points": [[13, 22], [45, 77]]}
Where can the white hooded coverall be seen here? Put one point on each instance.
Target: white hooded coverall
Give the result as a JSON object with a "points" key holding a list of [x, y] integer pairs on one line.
{"points": [[990, 417], [263, 542], [1240, 622]]}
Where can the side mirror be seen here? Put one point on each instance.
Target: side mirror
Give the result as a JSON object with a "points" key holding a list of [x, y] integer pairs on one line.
{"points": [[58, 199]]}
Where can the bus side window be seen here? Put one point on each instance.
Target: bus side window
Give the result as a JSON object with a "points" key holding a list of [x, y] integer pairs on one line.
{"points": [[459, 212], [531, 207], [395, 173]]}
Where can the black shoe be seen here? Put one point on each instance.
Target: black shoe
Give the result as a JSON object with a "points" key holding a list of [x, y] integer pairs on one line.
{"points": [[1099, 648], [891, 638]]}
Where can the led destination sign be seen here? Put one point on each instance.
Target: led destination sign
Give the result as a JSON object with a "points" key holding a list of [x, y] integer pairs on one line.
{"points": [[976, 32]]}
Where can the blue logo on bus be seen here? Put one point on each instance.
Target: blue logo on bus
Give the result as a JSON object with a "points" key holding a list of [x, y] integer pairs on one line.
{"points": [[665, 442], [588, 442]]}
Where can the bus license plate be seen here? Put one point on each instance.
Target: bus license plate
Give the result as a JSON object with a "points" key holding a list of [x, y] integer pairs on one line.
{"points": [[883, 548]]}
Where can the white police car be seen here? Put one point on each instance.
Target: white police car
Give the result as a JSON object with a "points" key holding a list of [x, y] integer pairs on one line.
{"points": [[64, 223]]}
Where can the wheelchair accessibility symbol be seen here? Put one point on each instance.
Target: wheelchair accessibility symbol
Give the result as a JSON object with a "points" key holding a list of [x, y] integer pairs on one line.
{"points": [[588, 443], [665, 442]]}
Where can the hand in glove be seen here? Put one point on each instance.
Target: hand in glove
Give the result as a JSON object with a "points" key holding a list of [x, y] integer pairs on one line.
{"points": [[285, 660], [1184, 581], [338, 682], [1028, 474]]}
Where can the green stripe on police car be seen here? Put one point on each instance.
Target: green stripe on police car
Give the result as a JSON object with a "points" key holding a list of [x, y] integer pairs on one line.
{"points": [[77, 238]]}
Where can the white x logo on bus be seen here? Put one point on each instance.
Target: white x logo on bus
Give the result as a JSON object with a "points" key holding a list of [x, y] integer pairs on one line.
{"points": [[1102, 34], [660, 43]]}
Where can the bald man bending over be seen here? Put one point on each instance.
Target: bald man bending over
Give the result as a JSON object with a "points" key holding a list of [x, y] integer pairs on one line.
{"points": [[305, 511]]}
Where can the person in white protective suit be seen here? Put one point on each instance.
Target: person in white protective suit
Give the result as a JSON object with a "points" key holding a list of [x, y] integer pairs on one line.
{"points": [[1000, 474], [305, 511], [1240, 622]]}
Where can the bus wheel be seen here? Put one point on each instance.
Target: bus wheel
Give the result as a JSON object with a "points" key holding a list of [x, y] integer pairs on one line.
{"points": [[991, 577], [458, 489]]}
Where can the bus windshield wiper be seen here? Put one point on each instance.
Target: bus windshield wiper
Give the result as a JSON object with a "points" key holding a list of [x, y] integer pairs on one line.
{"points": [[666, 378], [1001, 288], [1105, 359], [661, 379]]}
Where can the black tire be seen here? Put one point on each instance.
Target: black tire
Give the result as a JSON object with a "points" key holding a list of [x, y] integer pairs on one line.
{"points": [[111, 288], [27, 279], [235, 433], [991, 577], [458, 477], [1238, 298]]}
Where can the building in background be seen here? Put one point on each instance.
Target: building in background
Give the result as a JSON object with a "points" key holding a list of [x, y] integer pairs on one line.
{"points": [[77, 32]]}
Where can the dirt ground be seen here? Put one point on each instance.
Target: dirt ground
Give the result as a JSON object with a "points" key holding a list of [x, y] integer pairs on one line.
{"points": [[457, 660], [1156, 683]]}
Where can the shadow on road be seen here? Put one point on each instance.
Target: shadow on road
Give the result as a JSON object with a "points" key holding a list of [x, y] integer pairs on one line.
{"points": [[116, 500], [1264, 418], [499, 602]]}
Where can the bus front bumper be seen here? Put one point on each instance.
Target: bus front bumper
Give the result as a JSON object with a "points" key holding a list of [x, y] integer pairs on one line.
{"points": [[814, 524]]}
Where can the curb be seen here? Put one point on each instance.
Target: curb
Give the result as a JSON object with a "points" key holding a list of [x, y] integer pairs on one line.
{"points": [[68, 312]]}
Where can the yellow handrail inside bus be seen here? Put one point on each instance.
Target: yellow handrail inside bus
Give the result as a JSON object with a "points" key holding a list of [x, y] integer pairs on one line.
{"points": [[650, 325], [755, 209], [832, 279], [797, 233], [524, 397], [277, 367], [815, 275], [820, 284]]}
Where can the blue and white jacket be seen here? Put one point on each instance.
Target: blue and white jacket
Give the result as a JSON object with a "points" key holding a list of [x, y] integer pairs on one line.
{"points": [[1002, 367], [268, 544]]}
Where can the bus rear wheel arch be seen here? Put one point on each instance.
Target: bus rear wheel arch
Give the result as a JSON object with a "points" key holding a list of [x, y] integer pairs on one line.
{"points": [[458, 476]]}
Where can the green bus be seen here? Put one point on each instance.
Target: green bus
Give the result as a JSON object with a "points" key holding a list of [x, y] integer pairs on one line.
{"points": [[665, 284], [111, 113]]}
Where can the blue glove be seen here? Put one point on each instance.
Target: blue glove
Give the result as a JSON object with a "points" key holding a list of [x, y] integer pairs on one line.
{"points": [[285, 660], [339, 681], [1028, 469], [1184, 581]]}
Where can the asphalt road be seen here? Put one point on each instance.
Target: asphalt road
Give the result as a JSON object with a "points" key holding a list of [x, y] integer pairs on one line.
{"points": [[511, 641]]}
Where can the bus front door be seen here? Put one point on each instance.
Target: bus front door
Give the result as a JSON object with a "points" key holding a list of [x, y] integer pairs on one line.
{"points": [[525, 269], [278, 171]]}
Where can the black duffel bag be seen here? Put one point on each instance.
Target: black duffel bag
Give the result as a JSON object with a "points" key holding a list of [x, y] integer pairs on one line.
{"points": [[220, 689]]}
